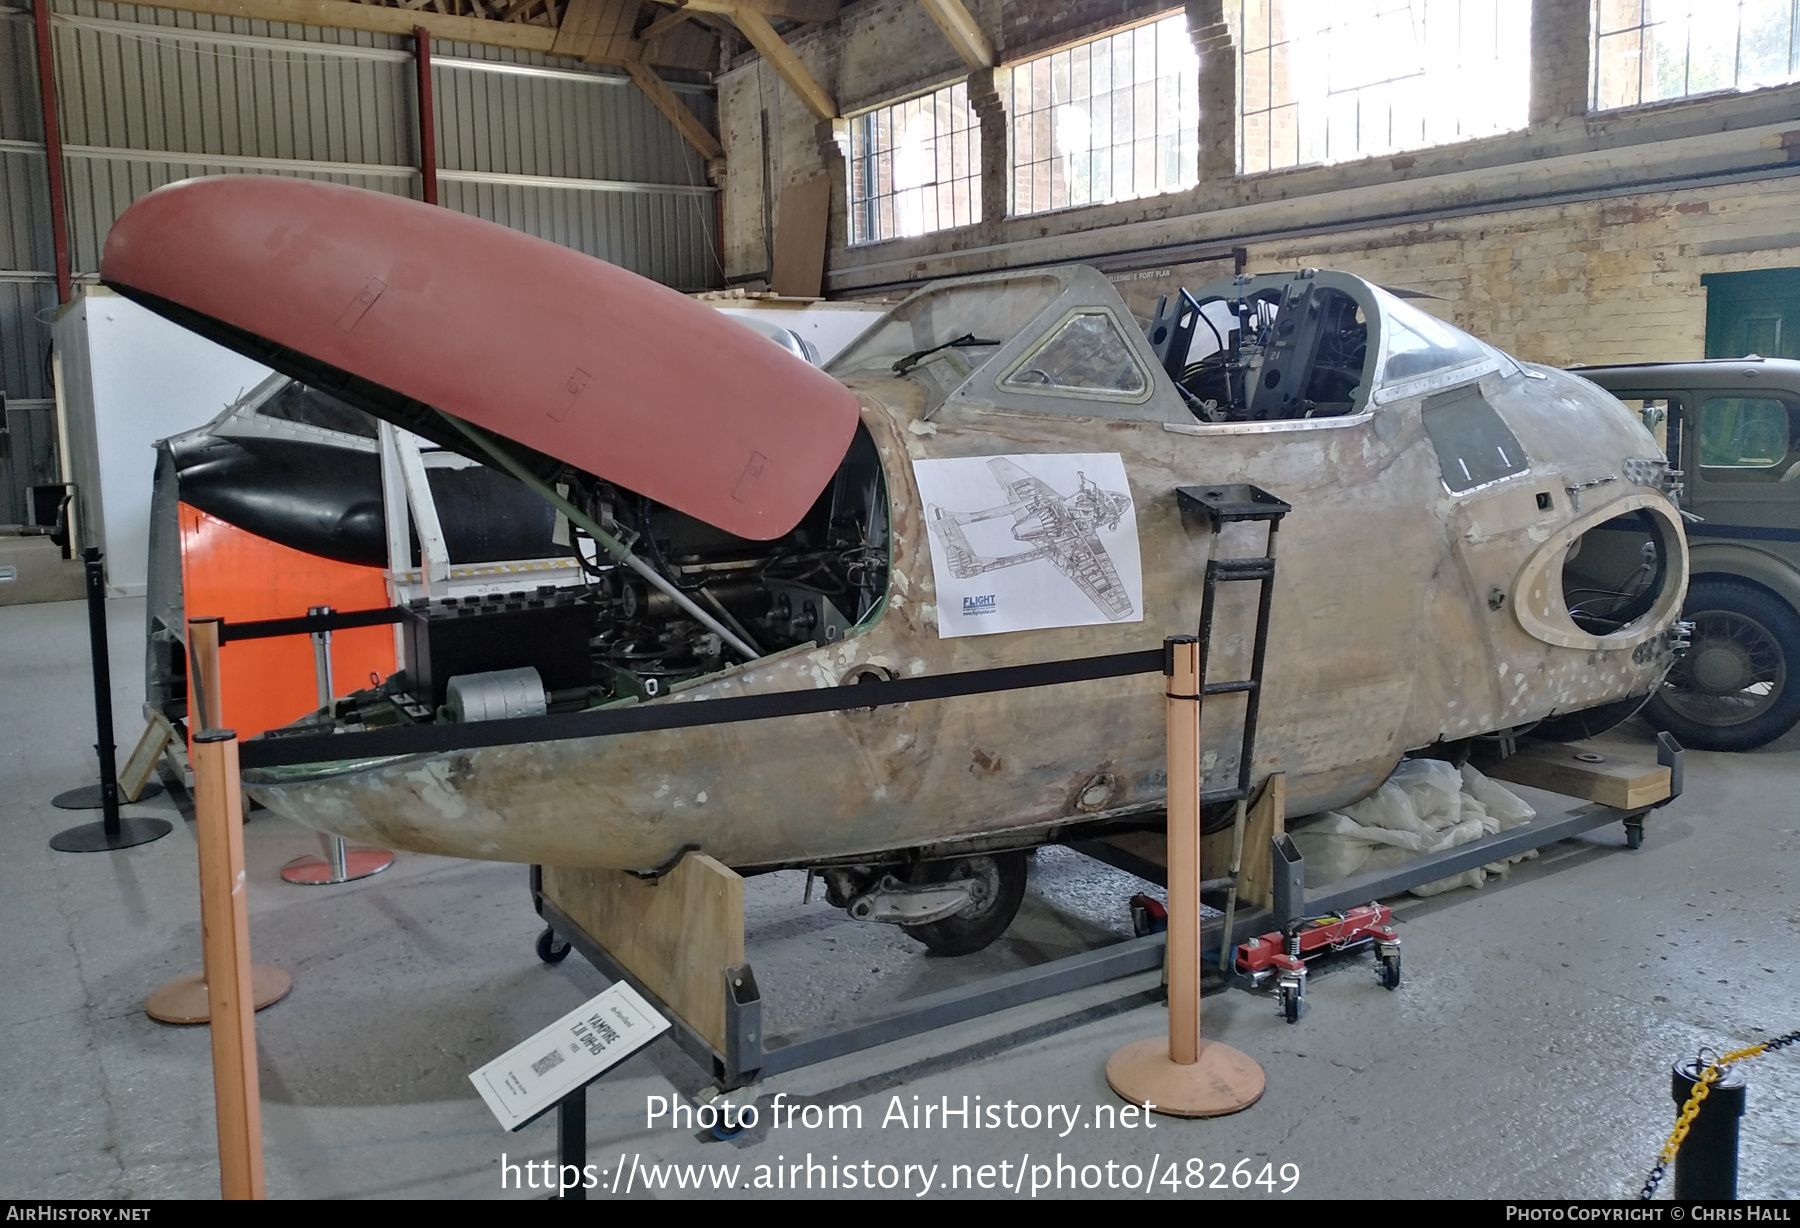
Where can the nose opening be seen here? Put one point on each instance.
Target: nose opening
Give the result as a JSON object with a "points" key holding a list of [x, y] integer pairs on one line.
{"points": [[1615, 572]]}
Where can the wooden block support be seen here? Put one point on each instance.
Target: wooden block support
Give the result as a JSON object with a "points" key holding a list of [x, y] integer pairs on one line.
{"points": [[677, 934], [1618, 782], [225, 934], [1267, 819], [157, 736]]}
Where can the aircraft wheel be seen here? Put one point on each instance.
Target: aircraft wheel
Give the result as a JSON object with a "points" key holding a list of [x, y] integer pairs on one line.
{"points": [[1738, 685], [549, 949], [999, 893]]}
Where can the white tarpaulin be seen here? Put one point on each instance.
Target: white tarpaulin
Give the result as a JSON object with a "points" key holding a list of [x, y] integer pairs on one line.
{"points": [[1022, 542], [1426, 806]]}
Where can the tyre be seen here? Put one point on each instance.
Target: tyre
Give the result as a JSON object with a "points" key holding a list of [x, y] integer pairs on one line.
{"points": [[998, 893], [1390, 972], [549, 949], [1291, 1002], [1735, 688]]}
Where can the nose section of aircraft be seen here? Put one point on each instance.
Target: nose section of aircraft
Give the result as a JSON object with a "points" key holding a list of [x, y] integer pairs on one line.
{"points": [[389, 302]]}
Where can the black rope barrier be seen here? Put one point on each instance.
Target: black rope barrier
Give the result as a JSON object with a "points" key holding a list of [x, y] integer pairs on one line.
{"points": [[293, 749], [270, 628]]}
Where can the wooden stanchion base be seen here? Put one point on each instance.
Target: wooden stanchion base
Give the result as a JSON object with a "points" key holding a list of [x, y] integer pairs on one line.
{"points": [[1223, 1081], [183, 1000]]}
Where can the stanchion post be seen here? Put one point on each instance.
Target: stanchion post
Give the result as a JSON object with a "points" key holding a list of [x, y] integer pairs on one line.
{"points": [[340, 864], [188, 999], [1182, 667], [225, 931], [1183, 1074], [206, 706], [111, 832], [1706, 1167], [571, 1140]]}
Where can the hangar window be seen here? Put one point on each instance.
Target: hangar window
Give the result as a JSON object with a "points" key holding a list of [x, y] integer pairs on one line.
{"points": [[1653, 50], [1332, 82], [1112, 119], [915, 167]]}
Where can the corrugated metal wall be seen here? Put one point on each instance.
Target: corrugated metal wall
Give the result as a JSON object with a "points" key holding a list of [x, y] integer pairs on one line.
{"points": [[27, 287], [149, 96]]}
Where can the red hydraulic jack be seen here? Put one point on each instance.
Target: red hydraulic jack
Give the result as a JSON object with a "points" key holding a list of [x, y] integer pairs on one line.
{"points": [[1283, 955]]}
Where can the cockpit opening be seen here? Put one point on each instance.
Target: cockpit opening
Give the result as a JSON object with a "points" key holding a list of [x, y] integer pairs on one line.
{"points": [[1294, 351]]}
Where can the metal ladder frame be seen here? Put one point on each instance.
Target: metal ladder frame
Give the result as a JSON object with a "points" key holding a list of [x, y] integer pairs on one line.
{"points": [[1236, 503]]}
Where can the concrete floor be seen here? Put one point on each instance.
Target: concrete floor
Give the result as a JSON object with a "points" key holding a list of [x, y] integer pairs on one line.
{"points": [[1526, 1055]]}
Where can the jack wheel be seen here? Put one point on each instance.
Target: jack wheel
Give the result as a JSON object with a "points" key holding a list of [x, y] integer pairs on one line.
{"points": [[1634, 835], [1293, 1004], [549, 949], [1390, 972]]}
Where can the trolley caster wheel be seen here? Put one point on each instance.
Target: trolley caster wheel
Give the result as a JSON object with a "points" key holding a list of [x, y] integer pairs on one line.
{"points": [[1292, 1001], [1634, 835], [1389, 971], [549, 949]]}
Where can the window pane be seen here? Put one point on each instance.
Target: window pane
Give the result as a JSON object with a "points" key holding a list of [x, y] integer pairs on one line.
{"points": [[1086, 354], [1327, 82], [1744, 433], [915, 167], [1651, 50], [1111, 119]]}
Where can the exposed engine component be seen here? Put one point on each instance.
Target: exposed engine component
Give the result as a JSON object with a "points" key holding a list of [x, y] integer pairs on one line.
{"points": [[547, 631], [620, 637], [500, 694]]}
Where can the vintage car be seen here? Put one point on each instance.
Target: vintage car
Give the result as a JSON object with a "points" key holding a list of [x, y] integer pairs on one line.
{"points": [[1731, 426]]}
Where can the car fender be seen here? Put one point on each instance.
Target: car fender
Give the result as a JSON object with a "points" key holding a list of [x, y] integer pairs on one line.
{"points": [[1736, 561]]}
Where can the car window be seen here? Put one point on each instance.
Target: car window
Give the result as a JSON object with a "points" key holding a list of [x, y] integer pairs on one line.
{"points": [[1654, 411], [1748, 438]]}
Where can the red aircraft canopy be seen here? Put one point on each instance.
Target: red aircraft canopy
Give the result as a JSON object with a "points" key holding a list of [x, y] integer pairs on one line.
{"points": [[567, 354]]}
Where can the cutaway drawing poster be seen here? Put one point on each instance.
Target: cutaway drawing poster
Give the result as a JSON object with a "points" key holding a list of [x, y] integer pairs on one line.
{"points": [[1022, 542]]}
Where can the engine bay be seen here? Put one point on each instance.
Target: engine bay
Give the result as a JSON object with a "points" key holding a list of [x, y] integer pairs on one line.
{"points": [[617, 637]]}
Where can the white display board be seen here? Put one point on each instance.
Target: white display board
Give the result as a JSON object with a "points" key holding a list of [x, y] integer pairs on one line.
{"points": [[597, 1035], [1023, 542], [127, 378]]}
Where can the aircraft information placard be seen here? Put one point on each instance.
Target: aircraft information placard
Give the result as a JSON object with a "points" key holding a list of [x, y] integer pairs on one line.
{"points": [[597, 1035], [1023, 542]]}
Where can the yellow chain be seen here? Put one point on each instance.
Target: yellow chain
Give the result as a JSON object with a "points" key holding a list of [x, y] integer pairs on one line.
{"points": [[1702, 1089]]}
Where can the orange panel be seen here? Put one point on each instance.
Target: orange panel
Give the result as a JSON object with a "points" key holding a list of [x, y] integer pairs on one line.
{"points": [[231, 574]]}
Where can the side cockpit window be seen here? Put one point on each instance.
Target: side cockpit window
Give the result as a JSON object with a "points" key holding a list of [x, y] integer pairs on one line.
{"points": [[1084, 356]]}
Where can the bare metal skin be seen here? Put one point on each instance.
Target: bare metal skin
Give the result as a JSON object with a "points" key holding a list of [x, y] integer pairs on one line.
{"points": [[1404, 615]]}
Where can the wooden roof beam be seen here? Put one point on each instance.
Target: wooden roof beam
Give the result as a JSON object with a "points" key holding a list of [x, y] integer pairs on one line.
{"points": [[342, 15], [762, 36], [662, 25], [965, 35], [674, 110], [783, 10]]}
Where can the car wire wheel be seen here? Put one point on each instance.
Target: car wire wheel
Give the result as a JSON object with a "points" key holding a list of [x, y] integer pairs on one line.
{"points": [[1733, 688]]}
